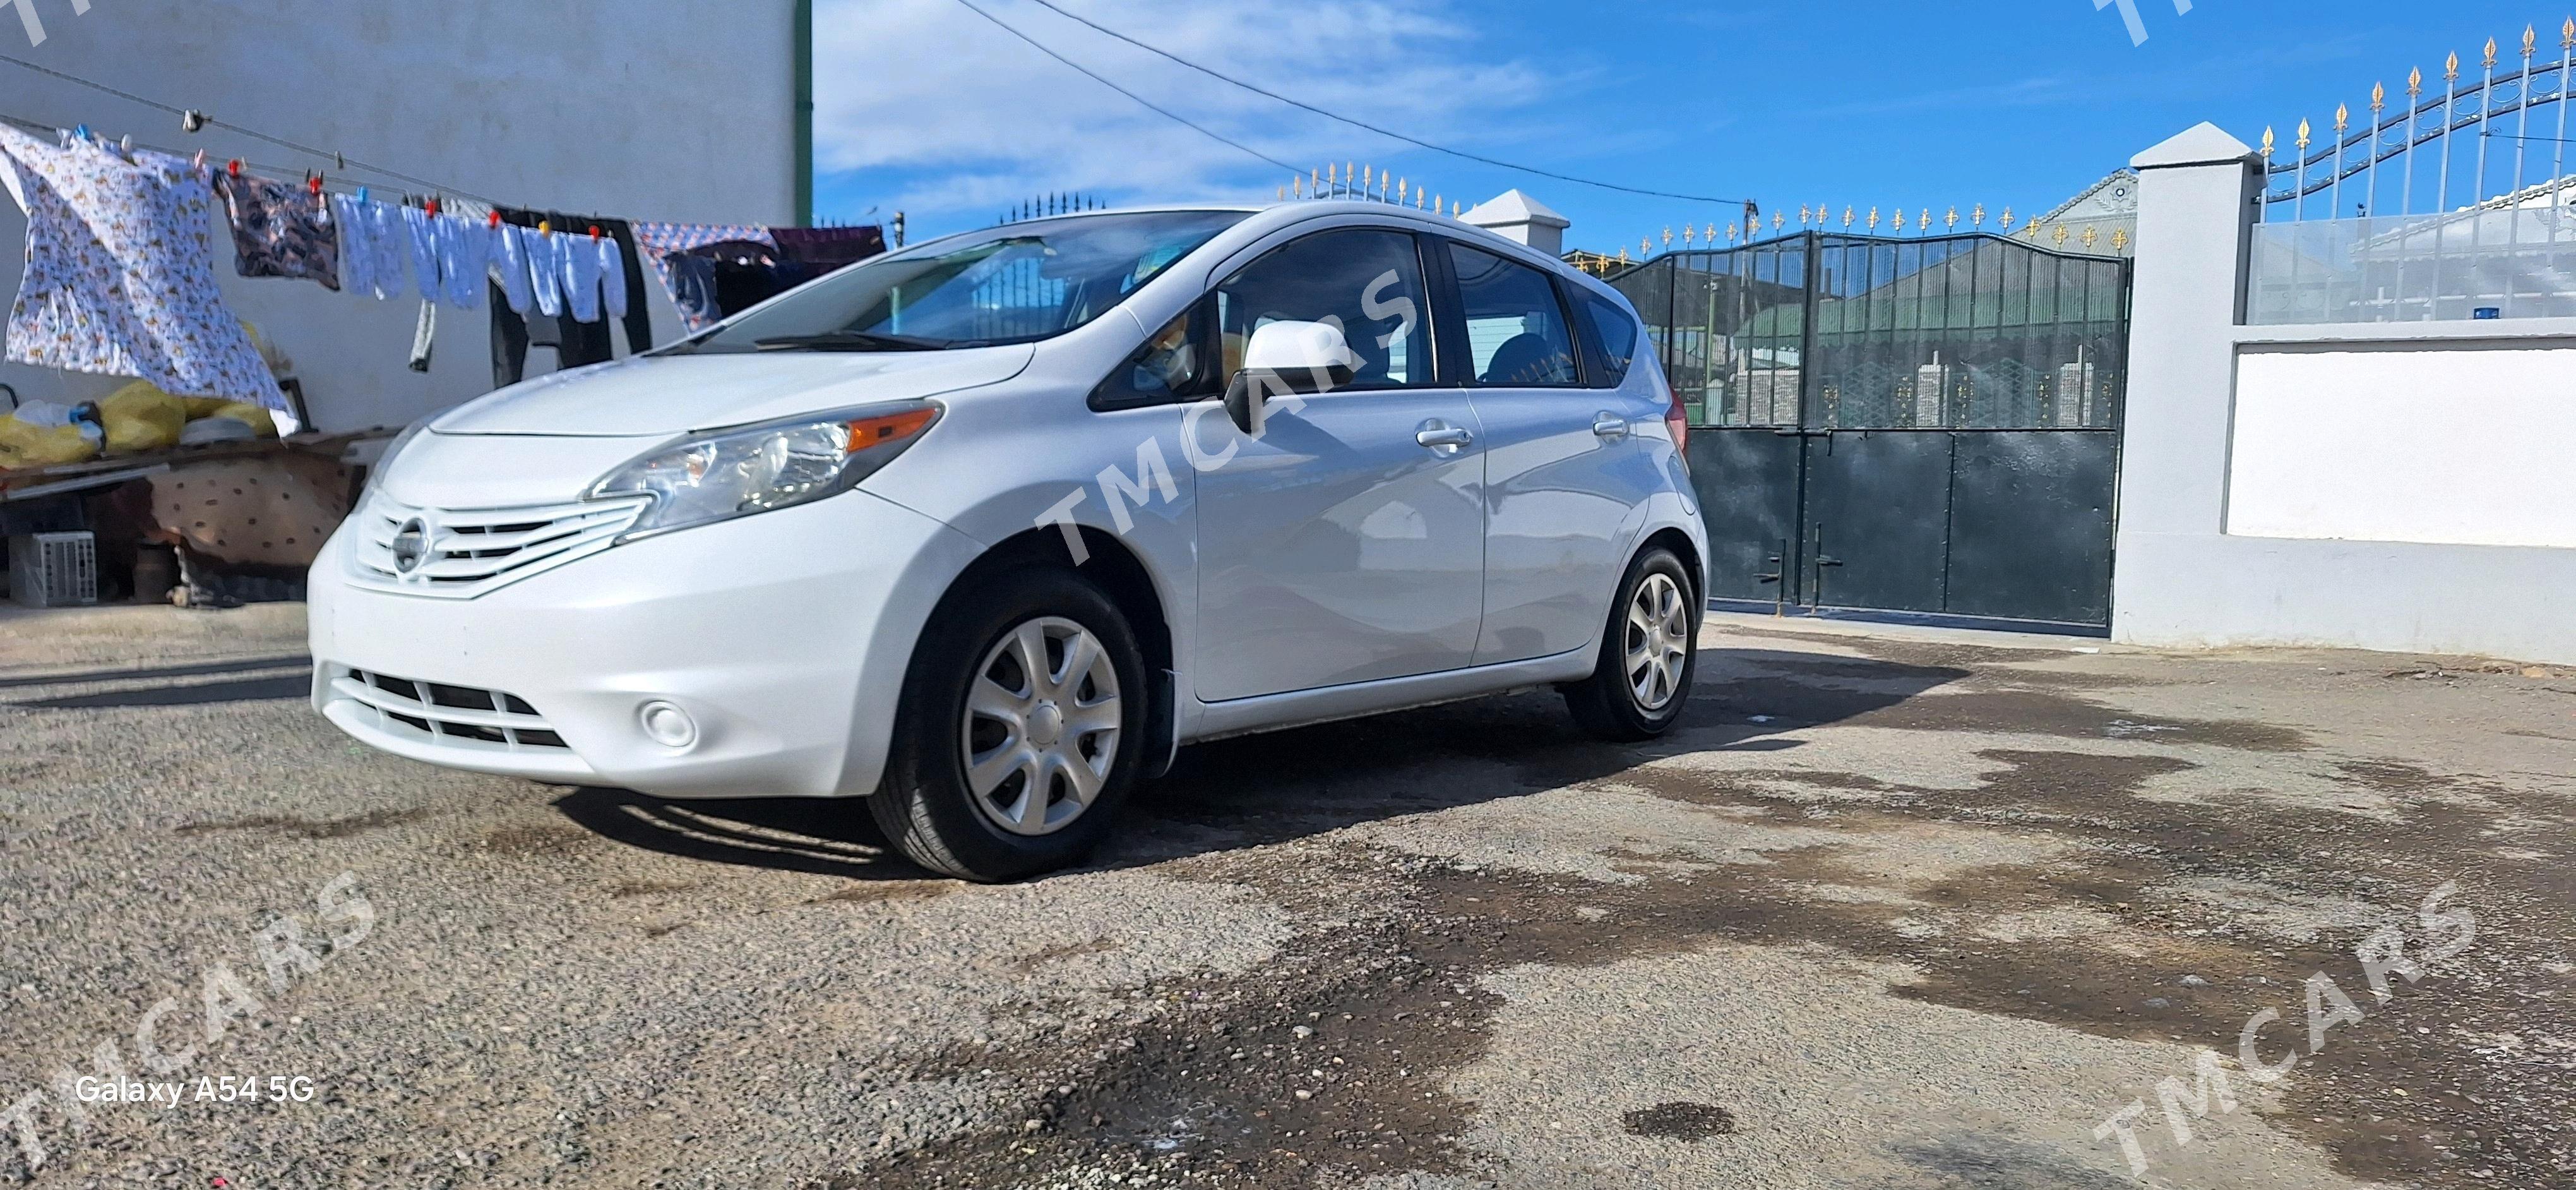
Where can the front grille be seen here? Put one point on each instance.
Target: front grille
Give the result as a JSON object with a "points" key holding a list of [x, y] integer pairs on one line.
{"points": [[466, 552], [457, 716]]}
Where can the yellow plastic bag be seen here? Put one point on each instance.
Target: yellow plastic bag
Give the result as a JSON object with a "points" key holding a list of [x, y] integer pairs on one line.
{"points": [[139, 417], [25, 444]]}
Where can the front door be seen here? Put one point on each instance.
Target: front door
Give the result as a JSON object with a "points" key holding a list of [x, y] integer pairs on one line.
{"points": [[1346, 543]]}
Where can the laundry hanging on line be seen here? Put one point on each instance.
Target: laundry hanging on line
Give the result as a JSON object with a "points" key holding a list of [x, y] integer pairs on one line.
{"points": [[568, 272], [120, 275], [713, 271], [281, 230]]}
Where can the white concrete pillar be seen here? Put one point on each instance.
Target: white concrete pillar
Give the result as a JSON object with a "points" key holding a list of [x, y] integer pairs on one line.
{"points": [[2196, 197]]}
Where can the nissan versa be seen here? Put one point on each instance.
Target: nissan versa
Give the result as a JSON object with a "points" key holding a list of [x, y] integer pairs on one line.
{"points": [[985, 530]]}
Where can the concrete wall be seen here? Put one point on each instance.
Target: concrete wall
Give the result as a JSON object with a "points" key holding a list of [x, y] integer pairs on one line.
{"points": [[677, 110], [2400, 487]]}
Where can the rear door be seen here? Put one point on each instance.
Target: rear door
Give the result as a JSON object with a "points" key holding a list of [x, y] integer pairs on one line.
{"points": [[1340, 546], [1564, 473]]}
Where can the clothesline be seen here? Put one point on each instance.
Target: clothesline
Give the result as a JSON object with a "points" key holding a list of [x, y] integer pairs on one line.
{"points": [[189, 115], [332, 185]]}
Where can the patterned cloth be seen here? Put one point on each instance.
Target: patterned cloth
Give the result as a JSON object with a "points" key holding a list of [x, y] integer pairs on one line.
{"points": [[579, 255], [120, 272], [464, 255], [357, 249], [421, 232], [280, 230], [659, 240], [510, 266], [612, 277]]}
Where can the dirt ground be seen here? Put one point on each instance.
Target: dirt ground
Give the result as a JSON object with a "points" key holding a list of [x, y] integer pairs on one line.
{"points": [[1894, 909]]}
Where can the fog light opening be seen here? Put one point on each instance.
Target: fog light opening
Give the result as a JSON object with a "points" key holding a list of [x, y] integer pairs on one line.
{"points": [[668, 725]]}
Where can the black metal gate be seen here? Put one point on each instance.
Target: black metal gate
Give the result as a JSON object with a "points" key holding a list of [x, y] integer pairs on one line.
{"points": [[1922, 426]]}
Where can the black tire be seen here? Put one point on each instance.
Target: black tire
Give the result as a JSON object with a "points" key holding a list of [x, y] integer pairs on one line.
{"points": [[926, 804], [1607, 704]]}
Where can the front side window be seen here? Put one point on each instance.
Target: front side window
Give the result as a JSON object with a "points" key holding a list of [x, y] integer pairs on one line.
{"points": [[1516, 332], [1012, 284], [1365, 281]]}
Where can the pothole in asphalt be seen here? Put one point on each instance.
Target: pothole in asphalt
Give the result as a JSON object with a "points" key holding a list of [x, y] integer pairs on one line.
{"points": [[1690, 1122]]}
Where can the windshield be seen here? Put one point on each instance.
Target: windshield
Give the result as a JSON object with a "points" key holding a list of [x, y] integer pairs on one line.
{"points": [[1012, 284]]}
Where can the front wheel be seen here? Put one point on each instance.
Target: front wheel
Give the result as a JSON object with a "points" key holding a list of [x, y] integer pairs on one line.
{"points": [[1022, 722], [1648, 651]]}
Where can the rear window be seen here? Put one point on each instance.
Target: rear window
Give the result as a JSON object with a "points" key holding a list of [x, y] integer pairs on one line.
{"points": [[1614, 339]]}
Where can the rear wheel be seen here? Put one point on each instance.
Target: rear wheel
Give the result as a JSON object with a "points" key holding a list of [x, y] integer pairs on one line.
{"points": [[1020, 730], [1648, 652]]}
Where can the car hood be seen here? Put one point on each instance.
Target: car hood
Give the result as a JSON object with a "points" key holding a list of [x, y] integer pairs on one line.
{"points": [[673, 394]]}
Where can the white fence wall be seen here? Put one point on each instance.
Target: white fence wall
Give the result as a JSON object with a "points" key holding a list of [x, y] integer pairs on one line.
{"points": [[2407, 486], [678, 110]]}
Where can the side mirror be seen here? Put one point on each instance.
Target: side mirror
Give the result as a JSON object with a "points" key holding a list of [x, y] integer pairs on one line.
{"points": [[1286, 357]]}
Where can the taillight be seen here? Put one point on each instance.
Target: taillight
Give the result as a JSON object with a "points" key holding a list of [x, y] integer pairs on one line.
{"points": [[1677, 419]]}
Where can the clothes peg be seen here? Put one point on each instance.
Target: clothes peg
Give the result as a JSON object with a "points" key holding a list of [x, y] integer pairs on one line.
{"points": [[233, 167], [545, 225], [313, 182], [125, 144], [431, 206], [82, 131], [492, 220], [362, 196], [199, 163], [594, 231]]}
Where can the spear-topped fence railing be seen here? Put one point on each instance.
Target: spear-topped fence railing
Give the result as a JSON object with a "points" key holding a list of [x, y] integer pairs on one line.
{"points": [[2424, 121], [2450, 200]]}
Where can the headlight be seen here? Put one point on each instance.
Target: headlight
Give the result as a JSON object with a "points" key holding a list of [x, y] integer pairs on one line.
{"points": [[731, 473]]}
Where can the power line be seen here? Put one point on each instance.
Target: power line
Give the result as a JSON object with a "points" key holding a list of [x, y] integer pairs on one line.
{"points": [[1363, 124], [1201, 129], [253, 133]]}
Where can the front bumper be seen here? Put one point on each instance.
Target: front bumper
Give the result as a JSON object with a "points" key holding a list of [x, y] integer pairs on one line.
{"points": [[783, 636]]}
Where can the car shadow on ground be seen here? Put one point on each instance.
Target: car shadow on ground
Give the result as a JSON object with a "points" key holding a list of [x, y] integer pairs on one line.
{"points": [[1270, 788]]}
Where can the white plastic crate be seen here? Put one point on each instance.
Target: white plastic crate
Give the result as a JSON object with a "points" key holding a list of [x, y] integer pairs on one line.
{"points": [[53, 569]]}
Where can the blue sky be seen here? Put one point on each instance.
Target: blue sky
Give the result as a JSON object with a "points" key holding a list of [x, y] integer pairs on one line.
{"points": [[1844, 103]]}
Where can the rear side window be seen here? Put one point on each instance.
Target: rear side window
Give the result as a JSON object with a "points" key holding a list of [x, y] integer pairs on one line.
{"points": [[1516, 332], [1614, 340]]}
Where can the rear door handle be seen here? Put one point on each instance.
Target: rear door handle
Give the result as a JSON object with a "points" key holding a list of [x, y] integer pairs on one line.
{"points": [[1609, 425], [1439, 436]]}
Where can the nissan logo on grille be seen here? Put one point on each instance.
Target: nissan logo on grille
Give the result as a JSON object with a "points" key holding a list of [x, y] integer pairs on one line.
{"points": [[410, 546]]}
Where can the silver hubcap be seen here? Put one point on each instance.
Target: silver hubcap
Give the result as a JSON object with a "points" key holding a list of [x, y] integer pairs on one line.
{"points": [[1658, 641], [1041, 726]]}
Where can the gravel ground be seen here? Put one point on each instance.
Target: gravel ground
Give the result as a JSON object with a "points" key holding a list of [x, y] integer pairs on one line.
{"points": [[1894, 909]]}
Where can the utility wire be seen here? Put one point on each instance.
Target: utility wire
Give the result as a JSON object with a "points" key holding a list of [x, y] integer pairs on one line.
{"points": [[253, 133], [1363, 124], [1201, 129], [333, 185]]}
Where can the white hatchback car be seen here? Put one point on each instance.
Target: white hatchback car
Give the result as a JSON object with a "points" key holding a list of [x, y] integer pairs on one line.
{"points": [[984, 530]]}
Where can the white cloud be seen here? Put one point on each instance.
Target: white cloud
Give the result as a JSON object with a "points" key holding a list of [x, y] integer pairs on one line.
{"points": [[977, 118]]}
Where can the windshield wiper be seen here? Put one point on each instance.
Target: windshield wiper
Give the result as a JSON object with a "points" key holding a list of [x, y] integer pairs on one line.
{"points": [[850, 341]]}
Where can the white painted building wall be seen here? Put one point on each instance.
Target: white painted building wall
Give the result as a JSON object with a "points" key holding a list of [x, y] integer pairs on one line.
{"points": [[2399, 486], [675, 110], [2472, 445]]}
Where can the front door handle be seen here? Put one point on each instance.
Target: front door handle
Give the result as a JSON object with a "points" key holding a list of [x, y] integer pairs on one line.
{"points": [[1609, 425], [1437, 437]]}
